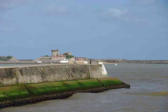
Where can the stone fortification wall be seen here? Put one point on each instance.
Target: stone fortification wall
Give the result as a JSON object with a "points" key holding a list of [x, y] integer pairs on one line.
{"points": [[37, 74]]}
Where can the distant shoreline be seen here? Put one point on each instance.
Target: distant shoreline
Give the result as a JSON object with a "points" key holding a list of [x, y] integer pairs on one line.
{"points": [[108, 61]]}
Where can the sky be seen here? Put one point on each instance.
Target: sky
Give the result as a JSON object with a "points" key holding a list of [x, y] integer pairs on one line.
{"points": [[118, 29]]}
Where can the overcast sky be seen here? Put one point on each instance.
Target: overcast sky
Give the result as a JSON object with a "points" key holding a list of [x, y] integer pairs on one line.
{"points": [[127, 29]]}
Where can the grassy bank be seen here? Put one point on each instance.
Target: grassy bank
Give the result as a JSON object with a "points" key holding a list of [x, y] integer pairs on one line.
{"points": [[11, 93]]}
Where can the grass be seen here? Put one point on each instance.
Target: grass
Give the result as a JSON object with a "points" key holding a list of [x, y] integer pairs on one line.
{"points": [[13, 92], [28, 90]]}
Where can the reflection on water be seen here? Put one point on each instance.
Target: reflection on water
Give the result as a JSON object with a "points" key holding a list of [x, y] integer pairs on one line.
{"points": [[148, 93]]}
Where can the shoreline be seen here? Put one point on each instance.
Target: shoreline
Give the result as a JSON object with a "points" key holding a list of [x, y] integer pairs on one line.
{"points": [[58, 95]]}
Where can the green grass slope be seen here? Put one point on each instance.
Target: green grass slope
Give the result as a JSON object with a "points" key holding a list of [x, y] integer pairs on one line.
{"points": [[27, 90]]}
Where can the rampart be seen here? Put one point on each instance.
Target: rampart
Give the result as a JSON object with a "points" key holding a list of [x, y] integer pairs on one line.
{"points": [[46, 73]]}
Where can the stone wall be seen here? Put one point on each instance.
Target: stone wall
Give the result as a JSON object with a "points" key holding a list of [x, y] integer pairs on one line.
{"points": [[37, 74]]}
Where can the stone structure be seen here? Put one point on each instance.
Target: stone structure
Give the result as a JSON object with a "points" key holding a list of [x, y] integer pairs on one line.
{"points": [[56, 56], [71, 60], [43, 59], [68, 53], [80, 60], [55, 53], [45, 73]]}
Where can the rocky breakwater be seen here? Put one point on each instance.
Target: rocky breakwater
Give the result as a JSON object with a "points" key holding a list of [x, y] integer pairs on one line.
{"points": [[23, 85]]}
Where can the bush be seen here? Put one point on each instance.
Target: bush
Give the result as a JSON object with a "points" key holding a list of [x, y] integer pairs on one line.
{"points": [[5, 58]]}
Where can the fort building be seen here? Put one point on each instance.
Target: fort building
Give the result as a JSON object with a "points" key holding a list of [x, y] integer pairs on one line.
{"points": [[56, 56]]}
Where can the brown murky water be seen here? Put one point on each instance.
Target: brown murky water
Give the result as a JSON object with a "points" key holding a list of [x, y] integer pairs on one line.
{"points": [[148, 93]]}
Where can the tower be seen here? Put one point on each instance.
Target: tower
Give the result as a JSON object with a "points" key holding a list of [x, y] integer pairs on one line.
{"points": [[55, 53]]}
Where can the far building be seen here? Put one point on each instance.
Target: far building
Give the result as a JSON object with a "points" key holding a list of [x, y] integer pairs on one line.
{"points": [[55, 53], [81, 60], [66, 58], [56, 56]]}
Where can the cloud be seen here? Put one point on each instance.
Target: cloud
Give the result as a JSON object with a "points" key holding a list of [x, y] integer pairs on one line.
{"points": [[4, 5], [144, 2], [114, 12], [8, 4], [121, 14], [57, 10]]}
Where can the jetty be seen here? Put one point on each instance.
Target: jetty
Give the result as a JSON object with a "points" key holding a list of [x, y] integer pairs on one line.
{"points": [[20, 85]]}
